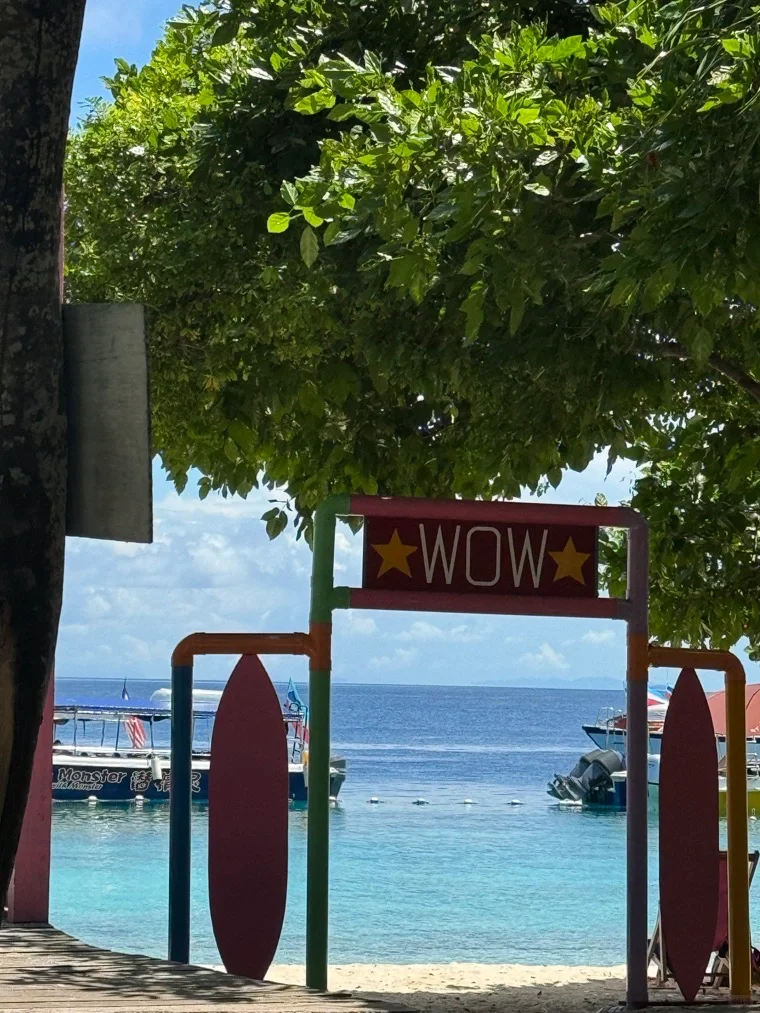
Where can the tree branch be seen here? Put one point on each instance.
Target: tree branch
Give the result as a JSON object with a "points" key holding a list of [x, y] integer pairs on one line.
{"points": [[675, 350]]}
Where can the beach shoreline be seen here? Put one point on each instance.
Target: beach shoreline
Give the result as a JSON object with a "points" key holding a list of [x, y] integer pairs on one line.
{"points": [[474, 988]]}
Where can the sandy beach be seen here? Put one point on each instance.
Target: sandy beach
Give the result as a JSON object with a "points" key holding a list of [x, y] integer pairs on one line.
{"points": [[475, 988]]}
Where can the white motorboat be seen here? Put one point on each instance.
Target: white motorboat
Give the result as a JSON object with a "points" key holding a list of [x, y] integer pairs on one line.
{"points": [[609, 729]]}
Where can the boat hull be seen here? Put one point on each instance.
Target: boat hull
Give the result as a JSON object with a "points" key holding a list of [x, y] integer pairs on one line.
{"points": [[120, 781], [753, 797], [604, 738], [614, 738]]}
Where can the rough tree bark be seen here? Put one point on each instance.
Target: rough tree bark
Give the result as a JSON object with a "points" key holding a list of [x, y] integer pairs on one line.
{"points": [[39, 42]]}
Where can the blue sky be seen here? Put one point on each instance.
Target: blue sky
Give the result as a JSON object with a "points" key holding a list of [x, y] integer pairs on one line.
{"points": [[212, 566], [114, 28]]}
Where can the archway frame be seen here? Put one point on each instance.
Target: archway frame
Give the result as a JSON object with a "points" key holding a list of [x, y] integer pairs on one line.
{"points": [[317, 646], [633, 610]]}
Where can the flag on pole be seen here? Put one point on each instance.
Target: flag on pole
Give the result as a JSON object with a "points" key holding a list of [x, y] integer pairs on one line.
{"points": [[136, 731], [302, 731], [293, 701]]}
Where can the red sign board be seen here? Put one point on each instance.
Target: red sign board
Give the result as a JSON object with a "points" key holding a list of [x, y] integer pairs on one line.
{"points": [[412, 554]]}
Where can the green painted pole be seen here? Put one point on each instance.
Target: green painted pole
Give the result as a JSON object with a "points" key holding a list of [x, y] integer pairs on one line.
{"points": [[318, 840]]}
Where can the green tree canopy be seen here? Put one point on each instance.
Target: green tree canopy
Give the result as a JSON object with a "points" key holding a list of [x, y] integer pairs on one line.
{"points": [[445, 248]]}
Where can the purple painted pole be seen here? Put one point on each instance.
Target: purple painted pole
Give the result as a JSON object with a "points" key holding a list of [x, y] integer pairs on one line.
{"points": [[637, 748]]}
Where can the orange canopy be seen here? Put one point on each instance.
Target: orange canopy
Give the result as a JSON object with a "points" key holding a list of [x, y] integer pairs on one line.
{"points": [[717, 705]]}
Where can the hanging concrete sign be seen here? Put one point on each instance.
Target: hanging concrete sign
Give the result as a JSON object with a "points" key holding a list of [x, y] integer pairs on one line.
{"points": [[108, 409]]}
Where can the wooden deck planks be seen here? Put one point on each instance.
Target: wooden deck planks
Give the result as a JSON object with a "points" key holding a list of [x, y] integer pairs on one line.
{"points": [[42, 969]]}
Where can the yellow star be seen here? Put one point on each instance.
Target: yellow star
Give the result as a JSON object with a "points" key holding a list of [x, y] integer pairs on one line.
{"points": [[394, 555], [570, 562]]}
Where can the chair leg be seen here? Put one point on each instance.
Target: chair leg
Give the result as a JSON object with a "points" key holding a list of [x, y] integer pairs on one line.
{"points": [[656, 955], [719, 972]]}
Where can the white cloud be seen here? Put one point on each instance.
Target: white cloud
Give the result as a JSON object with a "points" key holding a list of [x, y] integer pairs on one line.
{"points": [[546, 657], [217, 560], [348, 545], [74, 629], [137, 649], [598, 637], [125, 548], [423, 632], [401, 656], [357, 624], [96, 606]]}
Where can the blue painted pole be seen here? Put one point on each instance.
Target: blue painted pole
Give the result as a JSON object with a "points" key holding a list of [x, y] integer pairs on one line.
{"points": [[180, 801]]}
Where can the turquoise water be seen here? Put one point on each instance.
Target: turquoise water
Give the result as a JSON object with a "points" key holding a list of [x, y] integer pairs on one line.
{"points": [[490, 882]]}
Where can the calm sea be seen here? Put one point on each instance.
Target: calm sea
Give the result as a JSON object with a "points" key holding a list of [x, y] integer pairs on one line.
{"points": [[489, 882]]}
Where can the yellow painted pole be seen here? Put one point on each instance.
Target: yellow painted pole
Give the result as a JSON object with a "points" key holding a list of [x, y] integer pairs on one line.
{"points": [[739, 944]]}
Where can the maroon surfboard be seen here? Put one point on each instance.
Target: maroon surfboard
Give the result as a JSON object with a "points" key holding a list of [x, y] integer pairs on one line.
{"points": [[689, 847], [248, 821]]}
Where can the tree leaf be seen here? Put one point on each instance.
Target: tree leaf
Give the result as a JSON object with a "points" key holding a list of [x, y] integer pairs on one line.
{"points": [[226, 32], [622, 292], [259, 72], [242, 435], [278, 222], [315, 102], [276, 522], [312, 217], [309, 246], [660, 285], [516, 315], [472, 307], [701, 345], [288, 193]]}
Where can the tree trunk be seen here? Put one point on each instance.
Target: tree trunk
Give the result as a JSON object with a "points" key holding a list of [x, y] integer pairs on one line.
{"points": [[39, 42]]}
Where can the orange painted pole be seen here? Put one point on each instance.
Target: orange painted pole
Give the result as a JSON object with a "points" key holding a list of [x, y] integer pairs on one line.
{"points": [[739, 940], [240, 643]]}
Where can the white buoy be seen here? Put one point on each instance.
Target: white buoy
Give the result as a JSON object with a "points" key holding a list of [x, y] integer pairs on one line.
{"points": [[374, 800], [420, 801], [515, 801], [139, 798], [156, 774], [92, 798]]}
